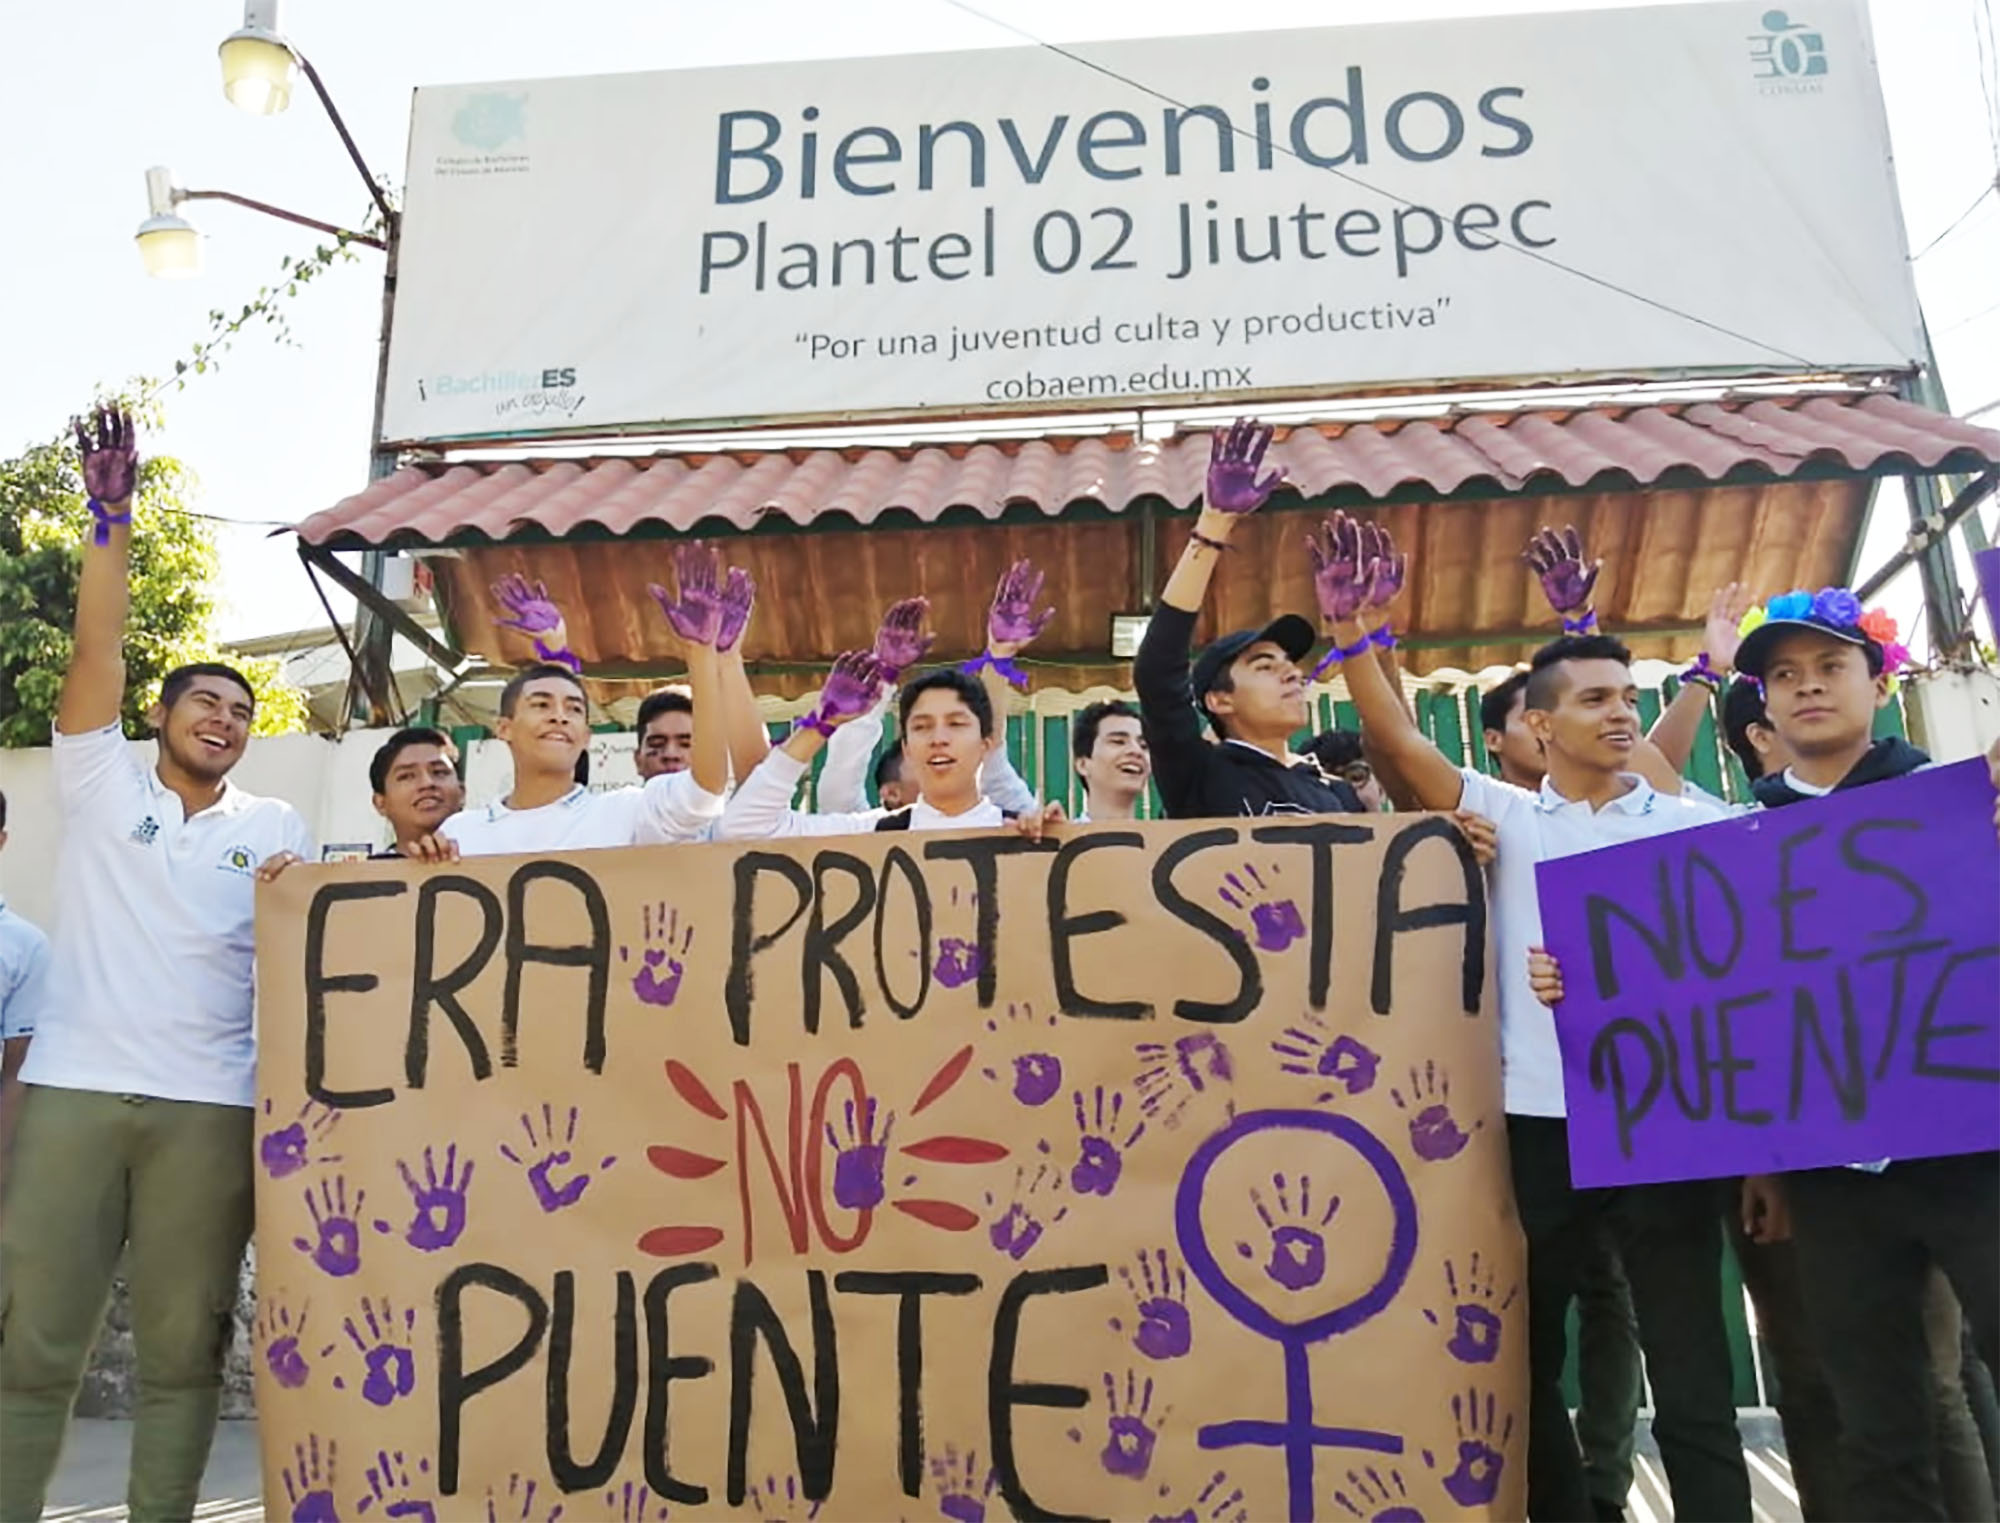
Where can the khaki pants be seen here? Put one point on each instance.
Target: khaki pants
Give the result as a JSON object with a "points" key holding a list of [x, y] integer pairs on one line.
{"points": [[92, 1175]]}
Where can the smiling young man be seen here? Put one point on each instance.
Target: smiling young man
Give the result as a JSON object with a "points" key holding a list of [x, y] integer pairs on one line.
{"points": [[1581, 705], [416, 786], [1108, 741], [135, 1134], [1869, 1236]]}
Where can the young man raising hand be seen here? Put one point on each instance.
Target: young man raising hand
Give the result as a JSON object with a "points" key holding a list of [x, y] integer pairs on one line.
{"points": [[1582, 706], [135, 1134]]}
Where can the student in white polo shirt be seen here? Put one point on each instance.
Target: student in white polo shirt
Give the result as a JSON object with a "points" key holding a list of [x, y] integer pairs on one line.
{"points": [[545, 722], [1582, 705], [135, 1135], [24, 991]]}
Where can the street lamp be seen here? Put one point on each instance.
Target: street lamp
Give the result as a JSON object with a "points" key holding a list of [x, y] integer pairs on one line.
{"points": [[258, 65], [168, 243]]}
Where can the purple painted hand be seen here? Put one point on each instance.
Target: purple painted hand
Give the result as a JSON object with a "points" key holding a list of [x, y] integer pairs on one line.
{"points": [[900, 641], [662, 960], [1276, 923], [108, 446], [1297, 1245], [1476, 1481], [860, 1162], [964, 1490], [285, 1150], [527, 606], [1476, 1312], [1376, 1497], [1434, 1134], [1175, 1074], [958, 962], [1557, 559], [389, 1488], [279, 1336], [388, 1363], [1159, 1296], [851, 688], [1131, 1432], [1038, 1076], [1234, 457], [550, 1195], [739, 597], [696, 614], [1343, 579], [1390, 568], [1348, 1062], [1012, 623], [437, 1206], [1017, 1229], [309, 1485], [1100, 1152], [336, 1244]]}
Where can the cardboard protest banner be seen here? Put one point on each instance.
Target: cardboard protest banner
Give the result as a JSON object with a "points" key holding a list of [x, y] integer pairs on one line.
{"points": [[1794, 989], [1155, 1172]]}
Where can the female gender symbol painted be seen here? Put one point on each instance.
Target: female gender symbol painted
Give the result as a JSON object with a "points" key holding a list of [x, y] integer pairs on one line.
{"points": [[1297, 1434]]}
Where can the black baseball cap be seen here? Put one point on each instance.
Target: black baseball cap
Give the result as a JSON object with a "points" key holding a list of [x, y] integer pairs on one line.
{"points": [[1290, 633]]}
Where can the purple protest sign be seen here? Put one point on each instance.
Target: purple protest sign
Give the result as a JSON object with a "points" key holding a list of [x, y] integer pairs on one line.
{"points": [[1797, 988]]}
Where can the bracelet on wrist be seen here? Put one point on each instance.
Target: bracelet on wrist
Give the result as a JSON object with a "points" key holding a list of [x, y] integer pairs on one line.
{"points": [[1704, 672], [1337, 653], [1199, 538], [815, 721], [559, 656], [1583, 624], [1004, 665], [101, 535], [1383, 638]]}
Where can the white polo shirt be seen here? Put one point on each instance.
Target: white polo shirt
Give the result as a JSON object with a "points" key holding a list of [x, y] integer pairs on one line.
{"points": [[762, 809], [1541, 827], [24, 975], [151, 986], [669, 809]]}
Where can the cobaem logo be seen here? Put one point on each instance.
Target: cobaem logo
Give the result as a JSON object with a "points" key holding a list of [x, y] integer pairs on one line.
{"points": [[1787, 49], [490, 120]]}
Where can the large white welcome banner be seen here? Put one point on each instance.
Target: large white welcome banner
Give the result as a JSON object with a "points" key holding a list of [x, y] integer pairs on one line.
{"points": [[1696, 187]]}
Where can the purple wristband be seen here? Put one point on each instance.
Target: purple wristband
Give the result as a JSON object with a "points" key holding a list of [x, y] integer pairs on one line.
{"points": [[1703, 672], [566, 658], [1004, 665], [1383, 638], [101, 535], [1336, 655], [1582, 626], [814, 721]]}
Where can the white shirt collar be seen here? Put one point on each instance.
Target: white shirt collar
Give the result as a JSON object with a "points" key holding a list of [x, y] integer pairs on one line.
{"points": [[1638, 799], [498, 810], [228, 801], [1810, 790], [985, 812]]}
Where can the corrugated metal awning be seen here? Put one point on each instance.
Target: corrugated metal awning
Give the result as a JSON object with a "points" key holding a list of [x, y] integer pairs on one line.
{"points": [[1675, 498]]}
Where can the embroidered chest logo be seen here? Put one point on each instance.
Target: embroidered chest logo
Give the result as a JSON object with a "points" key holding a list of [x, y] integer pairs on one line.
{"points": [[240, 860], [146, 832]]}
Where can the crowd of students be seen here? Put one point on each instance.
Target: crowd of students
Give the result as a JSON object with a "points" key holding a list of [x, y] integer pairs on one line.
{"points": [[130, 1042]]}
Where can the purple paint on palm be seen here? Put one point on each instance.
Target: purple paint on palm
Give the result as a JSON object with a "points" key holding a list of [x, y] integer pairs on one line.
{"points": [[739, 597], [1476, 1479], [1557, 561], [336, 1246], [1435, 1134], [1131, 1431], [1100, 1153], [1235, 456], [860, 1162], [1013, 621], [550, 1194], [958, 962]]}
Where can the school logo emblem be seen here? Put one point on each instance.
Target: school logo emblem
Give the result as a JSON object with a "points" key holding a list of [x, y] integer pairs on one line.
{"points": [[146, 831], [239, 859], [1787, 49]]}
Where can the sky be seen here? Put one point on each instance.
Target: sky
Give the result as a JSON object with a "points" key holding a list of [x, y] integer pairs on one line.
{"points": [[96, 93]]}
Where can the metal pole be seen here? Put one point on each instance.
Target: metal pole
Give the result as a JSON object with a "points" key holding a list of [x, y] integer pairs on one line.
{"points": [[279, 212], [347, 138], [1944, 604], [374, 638]]}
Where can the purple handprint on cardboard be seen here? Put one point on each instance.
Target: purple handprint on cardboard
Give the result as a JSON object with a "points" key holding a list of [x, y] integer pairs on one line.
{"points": [[1297, 1246], [1476, 1480], [1037, 1076], [662, 959], [860, 1161], [336, 1242], [964, 1489], [1130, 1431], [1175, 1073], [631, 1504], [437, 1205], [1017, 1229], [284, 1150], [1312, 1049], [391, 1488], [780, 1499], [1377, 1495], [1476, 1311], [958, 960], [1100, 1160], [1159, 1296], [309, 1482], [1275, 923], [1219, 1501], [1434, 1134], [551, 1153], [280, 1336], [388, 1352], [518, 1503]]}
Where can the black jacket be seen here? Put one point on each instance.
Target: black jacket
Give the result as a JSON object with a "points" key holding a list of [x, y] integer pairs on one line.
{"points": [[1888, 757], [1203, 779]]}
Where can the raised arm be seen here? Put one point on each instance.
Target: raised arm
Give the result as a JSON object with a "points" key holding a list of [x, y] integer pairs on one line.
{"points": [[1012, 625], [762, 805], [94, 686], [1670, 742], [531, 610], [696, 615], [1346, 565], [744, 728]]}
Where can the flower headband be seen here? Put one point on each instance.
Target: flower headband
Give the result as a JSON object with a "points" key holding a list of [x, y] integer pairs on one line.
{"points": [[1839, 611]]}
